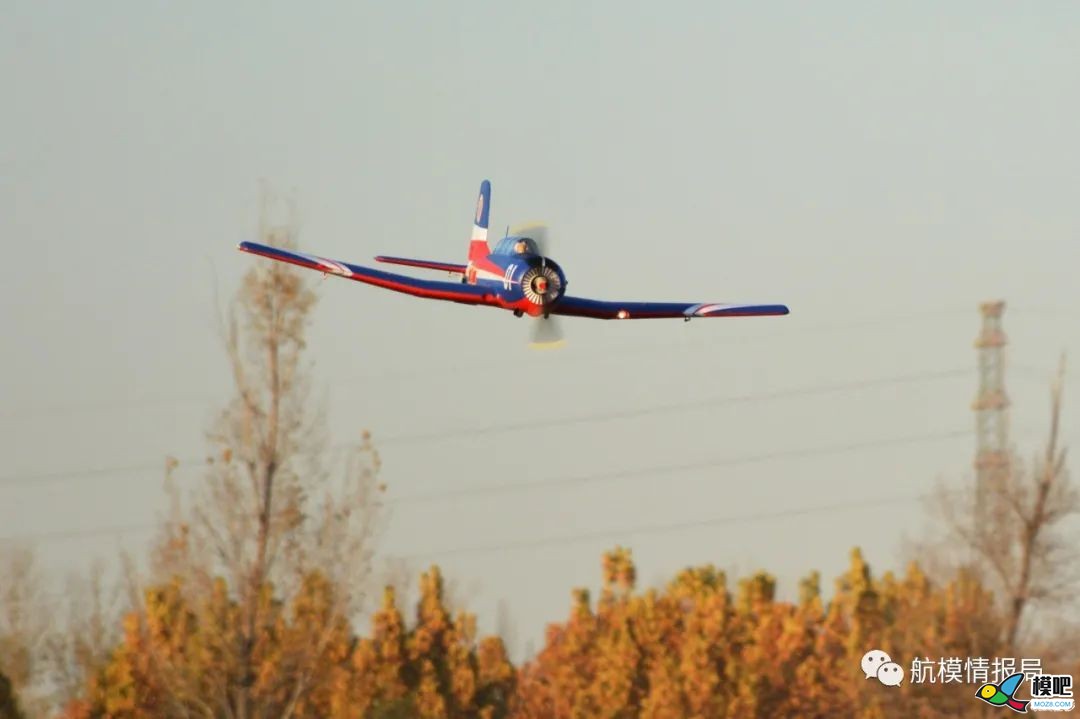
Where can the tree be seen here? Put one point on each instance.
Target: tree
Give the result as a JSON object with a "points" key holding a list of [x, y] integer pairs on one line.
{"points": [[438, 668], [694, 650], [25, 626], [1025, 550], [265, 530], [48, 645], [690, 649], [80, 643], [9, 705]]}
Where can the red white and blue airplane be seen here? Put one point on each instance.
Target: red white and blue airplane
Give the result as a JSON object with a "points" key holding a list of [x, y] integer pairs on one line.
{"points": [[517, 275]]}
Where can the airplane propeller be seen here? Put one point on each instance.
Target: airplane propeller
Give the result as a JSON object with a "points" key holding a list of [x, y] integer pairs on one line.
{"points": [[546, 332]]}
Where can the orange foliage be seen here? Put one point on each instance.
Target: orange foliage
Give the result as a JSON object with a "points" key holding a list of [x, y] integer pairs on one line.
{"points": [[178, 660], [695, 649]]}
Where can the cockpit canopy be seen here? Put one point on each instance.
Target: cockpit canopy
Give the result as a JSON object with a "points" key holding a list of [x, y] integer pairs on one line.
{"points": [[516, 245]]}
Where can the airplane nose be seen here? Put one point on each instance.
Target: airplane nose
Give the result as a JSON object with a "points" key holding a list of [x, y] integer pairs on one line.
{"points": [[542, 282]]}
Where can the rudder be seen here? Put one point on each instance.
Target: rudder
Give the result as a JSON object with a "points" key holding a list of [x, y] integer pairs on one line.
{"points": [[478, 244]]}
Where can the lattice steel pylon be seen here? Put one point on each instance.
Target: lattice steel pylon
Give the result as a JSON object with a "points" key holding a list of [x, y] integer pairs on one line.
{"points": [[991, 407]]}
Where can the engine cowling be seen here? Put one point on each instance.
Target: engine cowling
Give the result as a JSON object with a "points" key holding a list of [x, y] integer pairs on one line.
{"points": [[542, 284]]}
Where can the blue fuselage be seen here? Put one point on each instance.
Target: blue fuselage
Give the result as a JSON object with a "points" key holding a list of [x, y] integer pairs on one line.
{"points": [[525, 281]]}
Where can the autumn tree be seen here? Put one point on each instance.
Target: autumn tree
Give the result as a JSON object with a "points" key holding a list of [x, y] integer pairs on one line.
{"points": [[437, 668], [698, 649], [25, 627], [86, 626], [695, 648], [50, 643], [9, 704], [1015, 534], [272, 530]]}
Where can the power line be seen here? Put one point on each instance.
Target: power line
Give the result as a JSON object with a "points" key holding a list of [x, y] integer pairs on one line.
{"points": [[713, 463], [61, 534], [473, 367], [675, 407], [504, 427], [600, 476], [640, 529], [672, 527], [105, 405], [12, 480], [666, 528]]}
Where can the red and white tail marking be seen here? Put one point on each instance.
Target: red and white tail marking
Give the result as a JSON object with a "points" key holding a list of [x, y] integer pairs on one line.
{"points": [[478, 244]]}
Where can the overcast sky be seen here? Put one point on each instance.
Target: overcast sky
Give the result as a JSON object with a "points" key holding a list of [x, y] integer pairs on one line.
{"points": [[880, 170]]}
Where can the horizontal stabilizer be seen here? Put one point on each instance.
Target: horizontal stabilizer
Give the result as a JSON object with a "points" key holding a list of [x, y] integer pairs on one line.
{"points": [[425, 264]]}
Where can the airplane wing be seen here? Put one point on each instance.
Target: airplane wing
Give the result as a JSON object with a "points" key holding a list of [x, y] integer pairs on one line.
{"points": [[425, 264], [449, 291], [603, 310]]}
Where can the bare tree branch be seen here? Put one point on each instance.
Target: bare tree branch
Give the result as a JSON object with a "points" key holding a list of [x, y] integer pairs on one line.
{"points": [[1023, 545], [266, 518]]}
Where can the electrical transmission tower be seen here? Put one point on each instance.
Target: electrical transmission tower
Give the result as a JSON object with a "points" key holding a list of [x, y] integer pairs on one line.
{"points": [[991, 406]]}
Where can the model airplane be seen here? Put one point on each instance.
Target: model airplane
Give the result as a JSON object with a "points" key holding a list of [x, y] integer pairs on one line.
{"points": [[517, 276]]}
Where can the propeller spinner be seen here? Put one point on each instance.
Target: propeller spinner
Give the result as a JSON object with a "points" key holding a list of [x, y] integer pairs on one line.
{"points": [[546, 331]]}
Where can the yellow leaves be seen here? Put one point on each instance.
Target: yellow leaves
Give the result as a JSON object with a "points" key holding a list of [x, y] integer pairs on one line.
{"points": [[755, 592], [581, 610], [462, 676], [664, 699], [687, 650], [619, 571], [493, 666], [690, 651], [698, 673], [421, 642], [810, 593], [465, 626], [429, 700]]}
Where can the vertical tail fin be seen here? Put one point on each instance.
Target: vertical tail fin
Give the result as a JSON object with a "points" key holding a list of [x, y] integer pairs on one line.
{"points": [[478, 244]]}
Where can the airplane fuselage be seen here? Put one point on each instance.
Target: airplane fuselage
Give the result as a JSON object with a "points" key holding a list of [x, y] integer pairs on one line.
{"points": [[526, 283]]}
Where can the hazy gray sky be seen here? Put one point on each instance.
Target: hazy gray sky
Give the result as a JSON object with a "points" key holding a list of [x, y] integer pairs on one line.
{"points": [[881, 170]]}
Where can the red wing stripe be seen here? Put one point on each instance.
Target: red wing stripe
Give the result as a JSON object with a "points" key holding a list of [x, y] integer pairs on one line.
{"points": [[451, 291]]}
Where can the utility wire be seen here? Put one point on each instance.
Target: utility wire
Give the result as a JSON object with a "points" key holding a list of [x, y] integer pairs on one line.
{"points": [[654, 529], [624, 350], [660, 470], [62, 534], [627, 349], [673, 526], [671, 468], [13, 480], [561, 539], [671, 407], [527, 425]]}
